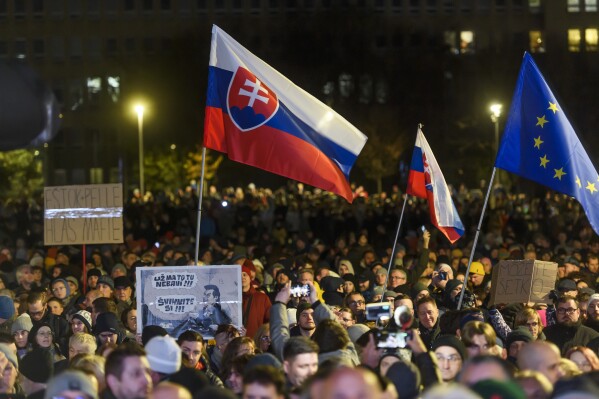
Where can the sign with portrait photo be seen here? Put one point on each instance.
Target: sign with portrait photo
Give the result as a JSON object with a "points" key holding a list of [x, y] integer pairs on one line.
{"points": [[180, 298]]}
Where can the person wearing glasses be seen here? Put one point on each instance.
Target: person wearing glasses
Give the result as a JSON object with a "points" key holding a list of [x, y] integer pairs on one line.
{"points": [[37, 307], [451, 354], [569, 331]]}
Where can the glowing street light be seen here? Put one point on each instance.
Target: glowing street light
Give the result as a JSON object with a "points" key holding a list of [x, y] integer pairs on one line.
{"points": [[139, 109], [495, 114]]}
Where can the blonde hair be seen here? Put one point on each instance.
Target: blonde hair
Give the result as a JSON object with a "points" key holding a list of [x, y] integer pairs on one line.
{"points": [[86, 340]]}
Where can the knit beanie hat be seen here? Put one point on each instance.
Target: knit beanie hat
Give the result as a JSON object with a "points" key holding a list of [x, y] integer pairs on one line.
{"points": [[164, 355], [593, 298], [451, 341], [107, 281], [263, 359], [106, 322], [494, 389], [23, 322], [7, 307], [37, 365], [70, 380], [356, 331], [73, 279], [519, 334], [10, 355], [94, 272], [150, 332], [85, 317]]}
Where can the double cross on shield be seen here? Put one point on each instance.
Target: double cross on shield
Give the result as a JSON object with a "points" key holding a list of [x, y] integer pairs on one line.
{"points": [[250, 102]]}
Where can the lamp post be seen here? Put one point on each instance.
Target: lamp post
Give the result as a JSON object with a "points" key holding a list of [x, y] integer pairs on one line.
{"points": [[495, 114], [139, 109]]}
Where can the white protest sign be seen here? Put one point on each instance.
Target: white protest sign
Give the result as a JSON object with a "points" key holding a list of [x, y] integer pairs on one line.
{"points": [[88, 214], [180, 298]]}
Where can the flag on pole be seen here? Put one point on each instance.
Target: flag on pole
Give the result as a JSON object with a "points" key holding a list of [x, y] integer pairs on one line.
{"points": [[540, 144], [259, 117], [426, 181]]}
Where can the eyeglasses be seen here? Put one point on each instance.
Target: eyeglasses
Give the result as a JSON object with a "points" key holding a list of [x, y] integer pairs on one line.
{"points": [[44, 334], [397, 278], [40, 313], [450, 358], [568, 310], [265, 338], [357, 303]]}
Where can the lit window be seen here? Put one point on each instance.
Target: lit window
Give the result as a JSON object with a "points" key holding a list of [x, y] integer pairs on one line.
{"points": [[20, 48], [113, 85], [573, 5], [94, 87], [450, 40], [590, 39], [75, 94], [536, 44], [96, 175], [346, 84], [574, 40], [381, 91], [467, 42], [590, 5], [534, 6]]}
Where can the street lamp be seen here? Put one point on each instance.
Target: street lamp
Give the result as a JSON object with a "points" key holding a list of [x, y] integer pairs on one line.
{"points": [[495, 114], [139, 109]]}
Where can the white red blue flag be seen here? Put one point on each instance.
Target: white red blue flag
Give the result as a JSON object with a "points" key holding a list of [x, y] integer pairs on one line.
{"points": [[259, 117], [426, 181]]}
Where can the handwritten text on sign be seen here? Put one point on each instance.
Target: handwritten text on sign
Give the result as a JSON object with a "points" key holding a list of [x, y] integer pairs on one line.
{"points": [[176, 303], [90, 214], [522, 281], [174, 280]]}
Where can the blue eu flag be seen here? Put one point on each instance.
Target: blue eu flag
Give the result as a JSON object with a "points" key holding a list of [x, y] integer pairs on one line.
{"points": [[540, 144]]}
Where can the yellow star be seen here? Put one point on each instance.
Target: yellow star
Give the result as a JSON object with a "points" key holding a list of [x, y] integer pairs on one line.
{"points": [[591, 187], [541, 121], [544, 161], [559, 173], [538, 142], [578, 182], [553, 107]]}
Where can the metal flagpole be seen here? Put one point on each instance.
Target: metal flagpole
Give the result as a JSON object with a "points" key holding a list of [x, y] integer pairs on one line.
{"points": [[403, 208], [200, 206], [480, 222], [392, 259]]}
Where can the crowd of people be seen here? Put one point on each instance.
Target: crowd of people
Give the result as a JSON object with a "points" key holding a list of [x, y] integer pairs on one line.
{"points": [[372, 318]]}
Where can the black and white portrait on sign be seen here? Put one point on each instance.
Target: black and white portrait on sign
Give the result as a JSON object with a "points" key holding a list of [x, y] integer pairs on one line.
{"points": [[180, 298]]}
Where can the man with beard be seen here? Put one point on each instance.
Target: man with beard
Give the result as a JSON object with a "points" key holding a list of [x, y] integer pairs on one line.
{"points": [[592, 320], [569, 331]]}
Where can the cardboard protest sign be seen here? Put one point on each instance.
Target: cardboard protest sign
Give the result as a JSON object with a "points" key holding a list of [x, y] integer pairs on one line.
{"points": [[180, 298], [89, 214], [522, 281]]}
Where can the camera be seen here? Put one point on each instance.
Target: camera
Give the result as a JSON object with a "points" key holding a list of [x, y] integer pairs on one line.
{"points": [[300, 290], [392, 340], [395, 335], [378, 311], [443, 275]]}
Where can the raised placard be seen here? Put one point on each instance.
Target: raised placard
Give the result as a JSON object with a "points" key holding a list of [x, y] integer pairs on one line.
{"points": [[88, 214], [522, 281]]}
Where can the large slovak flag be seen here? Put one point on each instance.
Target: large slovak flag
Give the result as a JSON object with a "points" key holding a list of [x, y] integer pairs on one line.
{"points": [[259, 117], [426, 181]]}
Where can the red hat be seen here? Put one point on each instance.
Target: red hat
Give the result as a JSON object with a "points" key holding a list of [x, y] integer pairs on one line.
{"points": [[248, 267]]}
